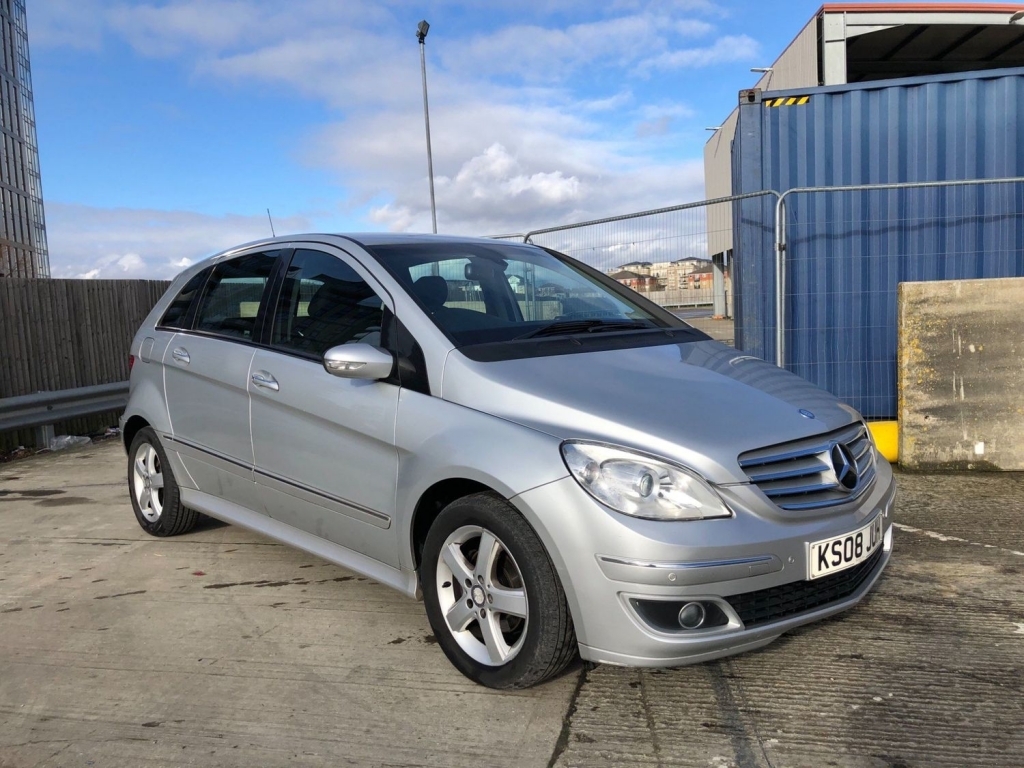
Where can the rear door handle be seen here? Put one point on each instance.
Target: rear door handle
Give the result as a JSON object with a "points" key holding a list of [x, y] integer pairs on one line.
{"points": [[264, 380], [181, 355]]}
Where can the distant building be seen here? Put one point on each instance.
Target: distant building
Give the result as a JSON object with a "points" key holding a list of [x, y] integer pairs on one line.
{"points": [[635, 280], [640, 267], [670, 275], [23, 251]]}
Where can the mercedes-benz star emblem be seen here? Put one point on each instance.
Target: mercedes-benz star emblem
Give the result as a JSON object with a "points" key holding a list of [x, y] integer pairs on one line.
{"points": [[844, 465]]}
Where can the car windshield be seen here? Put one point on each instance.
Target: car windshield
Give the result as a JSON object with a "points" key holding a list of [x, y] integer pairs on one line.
{"points": [[484, 293]]}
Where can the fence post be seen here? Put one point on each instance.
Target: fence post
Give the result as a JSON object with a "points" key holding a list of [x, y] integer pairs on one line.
{"points": [[44, 435], [718, 308], [780, 280]]}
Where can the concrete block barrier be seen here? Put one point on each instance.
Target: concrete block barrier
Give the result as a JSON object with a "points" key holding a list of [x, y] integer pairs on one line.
{"points": [[961, 374]]}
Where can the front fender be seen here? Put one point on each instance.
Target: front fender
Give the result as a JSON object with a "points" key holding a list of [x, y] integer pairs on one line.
{"points": [[438, 440]]}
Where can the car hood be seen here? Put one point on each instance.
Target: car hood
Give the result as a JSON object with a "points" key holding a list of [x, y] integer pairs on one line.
{"points": [[699, 403]]}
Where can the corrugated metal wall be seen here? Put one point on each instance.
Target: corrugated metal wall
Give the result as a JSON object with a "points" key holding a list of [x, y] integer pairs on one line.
{"points": [[847, 251]]}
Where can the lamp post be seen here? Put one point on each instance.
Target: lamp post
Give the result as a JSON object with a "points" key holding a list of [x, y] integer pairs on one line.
{"points": [[421, 33]]}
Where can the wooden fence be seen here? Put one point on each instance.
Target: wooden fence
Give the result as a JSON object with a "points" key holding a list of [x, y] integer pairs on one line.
{"points": [[62, 334]]}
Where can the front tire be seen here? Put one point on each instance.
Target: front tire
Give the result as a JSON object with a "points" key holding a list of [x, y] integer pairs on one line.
{"points": [[153, 489], [493, 597]]}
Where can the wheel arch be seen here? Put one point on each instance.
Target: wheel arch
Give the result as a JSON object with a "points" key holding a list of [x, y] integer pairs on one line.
{"points": [[131, 429], [432, 501]]}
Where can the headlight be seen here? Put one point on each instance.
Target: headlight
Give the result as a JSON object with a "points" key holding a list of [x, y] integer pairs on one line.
{"points": [[640, 486]]}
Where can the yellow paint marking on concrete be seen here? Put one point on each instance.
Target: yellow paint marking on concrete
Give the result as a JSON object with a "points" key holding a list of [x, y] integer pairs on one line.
{"points": [[887, 439]]}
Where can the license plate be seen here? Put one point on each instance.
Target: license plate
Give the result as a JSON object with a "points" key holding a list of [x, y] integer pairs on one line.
{"points": [[833, 555]]}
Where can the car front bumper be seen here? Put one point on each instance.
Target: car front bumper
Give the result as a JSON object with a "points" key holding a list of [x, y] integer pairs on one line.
{"points": [[609, 563]]}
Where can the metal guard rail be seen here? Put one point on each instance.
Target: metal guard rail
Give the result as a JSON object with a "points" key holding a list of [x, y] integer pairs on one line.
{"points": [[44, 408]]}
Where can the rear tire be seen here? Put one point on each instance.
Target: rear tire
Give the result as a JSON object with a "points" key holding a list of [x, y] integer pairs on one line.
{"points": [[154, 492], [493, 597]]}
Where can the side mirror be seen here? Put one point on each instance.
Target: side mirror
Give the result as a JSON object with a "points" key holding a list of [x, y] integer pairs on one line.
{"points": [[358, 361]]}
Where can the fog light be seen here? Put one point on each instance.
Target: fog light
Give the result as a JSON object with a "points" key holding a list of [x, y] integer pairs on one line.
{"points": [[691, 616]]}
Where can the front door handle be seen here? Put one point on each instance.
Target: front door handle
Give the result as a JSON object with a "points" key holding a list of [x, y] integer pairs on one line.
{"points": [[264, 380], [181, 355]]}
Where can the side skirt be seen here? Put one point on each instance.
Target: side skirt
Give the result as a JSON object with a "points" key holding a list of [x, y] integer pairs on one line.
{"points": [[404, 581]]}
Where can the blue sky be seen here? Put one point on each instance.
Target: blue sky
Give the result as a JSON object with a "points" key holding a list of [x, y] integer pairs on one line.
{"points": [[167, 128]]}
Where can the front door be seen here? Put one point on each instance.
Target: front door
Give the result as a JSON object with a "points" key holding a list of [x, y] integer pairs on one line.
{"points": [[324, 446]]}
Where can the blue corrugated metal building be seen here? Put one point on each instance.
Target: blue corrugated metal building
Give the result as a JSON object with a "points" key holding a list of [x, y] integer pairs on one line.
{"points": [[847, 251]]}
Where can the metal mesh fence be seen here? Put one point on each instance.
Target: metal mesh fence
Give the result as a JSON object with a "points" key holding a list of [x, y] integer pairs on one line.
{"points": [[663, 253], [842, 253], [847, 249]]}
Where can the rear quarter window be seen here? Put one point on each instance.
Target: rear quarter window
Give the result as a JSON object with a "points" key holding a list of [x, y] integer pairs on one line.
{"points": [[177, 314]]}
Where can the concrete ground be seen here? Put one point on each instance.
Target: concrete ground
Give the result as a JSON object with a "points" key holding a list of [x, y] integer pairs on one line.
{"points": [[223, 648], [700, 317]]}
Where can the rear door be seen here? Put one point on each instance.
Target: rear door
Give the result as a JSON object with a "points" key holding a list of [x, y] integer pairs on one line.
{"points": [[206, 371], [325, 446]]}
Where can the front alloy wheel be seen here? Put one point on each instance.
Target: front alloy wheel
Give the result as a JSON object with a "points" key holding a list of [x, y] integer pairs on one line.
{"points": [[493, 597], [481, 592]]}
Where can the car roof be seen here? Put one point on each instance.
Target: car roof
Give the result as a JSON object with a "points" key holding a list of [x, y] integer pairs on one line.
{"points": [[371, 239], [363, 239]]}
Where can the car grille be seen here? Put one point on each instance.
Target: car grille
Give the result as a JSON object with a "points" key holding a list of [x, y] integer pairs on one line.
{"points": [[802, 474], [776, 603]]}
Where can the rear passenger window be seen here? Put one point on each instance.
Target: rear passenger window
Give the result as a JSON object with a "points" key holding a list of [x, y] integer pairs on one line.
{"points": [[233, 294], [176, 315], [324, 302]]}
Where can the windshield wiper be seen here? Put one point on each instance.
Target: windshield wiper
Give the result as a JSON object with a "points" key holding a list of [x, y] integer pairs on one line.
{"points": [[569, 327]]}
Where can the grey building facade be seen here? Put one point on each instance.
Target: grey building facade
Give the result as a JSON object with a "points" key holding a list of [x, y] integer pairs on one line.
{"points": [[23, 251]]}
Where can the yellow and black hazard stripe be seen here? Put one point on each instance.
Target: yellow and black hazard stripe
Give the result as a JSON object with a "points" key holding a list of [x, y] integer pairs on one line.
{"points": [[787, 101]]}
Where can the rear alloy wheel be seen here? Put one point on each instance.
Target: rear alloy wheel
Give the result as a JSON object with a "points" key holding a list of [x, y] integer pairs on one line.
{"points": [[493, 597], [148, 482], [153, 489]]}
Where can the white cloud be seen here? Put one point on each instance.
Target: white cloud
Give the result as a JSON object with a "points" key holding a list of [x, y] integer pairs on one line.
{"points": [[90, 242], [522, 136], [618, 101], [724, 49], [551, 54], [131, 262], [496, 192], [659, 126], [75, 24], [171, 27]]}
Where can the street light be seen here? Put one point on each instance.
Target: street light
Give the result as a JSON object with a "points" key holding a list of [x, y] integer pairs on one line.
{"points": [[421, 34]]}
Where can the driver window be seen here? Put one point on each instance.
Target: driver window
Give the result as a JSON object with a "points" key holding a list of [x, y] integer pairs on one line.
{"points": [[323, 303]]}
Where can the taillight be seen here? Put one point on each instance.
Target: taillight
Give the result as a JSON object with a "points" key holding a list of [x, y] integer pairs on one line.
{"points": [[131, 362]]}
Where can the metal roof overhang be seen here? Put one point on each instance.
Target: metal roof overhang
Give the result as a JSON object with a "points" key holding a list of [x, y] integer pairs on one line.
{"points": [[933, 49], [890, 40]]}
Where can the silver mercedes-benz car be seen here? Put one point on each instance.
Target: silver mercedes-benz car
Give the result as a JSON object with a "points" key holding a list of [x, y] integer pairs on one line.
{"points": [[553, 463]]}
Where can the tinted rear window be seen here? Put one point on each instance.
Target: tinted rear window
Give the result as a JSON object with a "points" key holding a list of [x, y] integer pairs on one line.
{"points": [[177, 315], [231, 301]]}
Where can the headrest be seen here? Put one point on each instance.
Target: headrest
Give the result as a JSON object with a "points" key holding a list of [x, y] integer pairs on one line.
{"points": [[336, 293], [432, 290]]}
